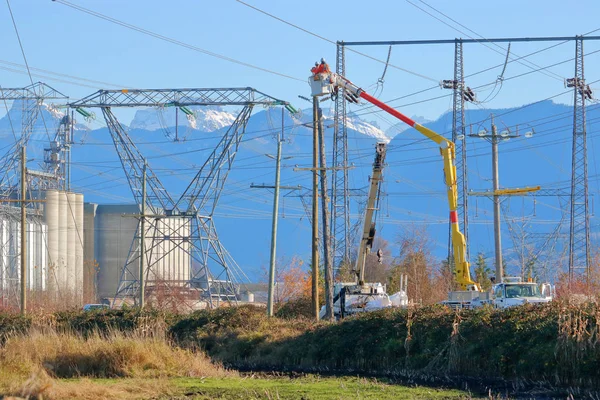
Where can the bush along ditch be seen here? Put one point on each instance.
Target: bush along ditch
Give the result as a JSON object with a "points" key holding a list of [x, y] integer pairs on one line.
{"points": [[556, 343]]}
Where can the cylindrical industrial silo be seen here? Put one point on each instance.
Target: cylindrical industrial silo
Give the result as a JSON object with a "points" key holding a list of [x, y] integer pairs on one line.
{"points": [[61, 264], [78, 248], [170, 255], [43, 255], [186, 259], [72, 239], [51, 213], [32, 278], [89, 258], [115, 230], [3, 260]]}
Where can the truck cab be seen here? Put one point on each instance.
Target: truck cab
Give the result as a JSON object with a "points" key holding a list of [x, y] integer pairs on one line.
{"points": [[512, 291]]}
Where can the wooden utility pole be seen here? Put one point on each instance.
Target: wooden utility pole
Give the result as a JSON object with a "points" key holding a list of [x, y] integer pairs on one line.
{"points": [[496, 186], [315, 211], [325, 216], [23, 232], [274, 225]]}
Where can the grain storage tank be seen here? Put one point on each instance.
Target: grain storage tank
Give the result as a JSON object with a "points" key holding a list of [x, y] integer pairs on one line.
{"points": [[114, 230], [51, 213], [72, 243], [171, 254], [79, 243], [61, 272], [89, 258]]}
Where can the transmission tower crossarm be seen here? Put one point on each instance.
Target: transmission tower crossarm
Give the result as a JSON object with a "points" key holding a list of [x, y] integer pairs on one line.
{"points": [[508, 191], [177, 97], [38, 90]]}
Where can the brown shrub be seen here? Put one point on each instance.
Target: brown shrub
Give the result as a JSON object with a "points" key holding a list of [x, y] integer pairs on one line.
{"points": [[29, 363]]}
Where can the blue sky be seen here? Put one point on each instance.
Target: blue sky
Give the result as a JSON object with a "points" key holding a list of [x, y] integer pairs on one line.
{"points": [[61, 39]]}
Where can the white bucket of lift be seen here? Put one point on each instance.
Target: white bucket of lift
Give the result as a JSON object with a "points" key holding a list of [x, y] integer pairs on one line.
{"points": [[319, 87]]}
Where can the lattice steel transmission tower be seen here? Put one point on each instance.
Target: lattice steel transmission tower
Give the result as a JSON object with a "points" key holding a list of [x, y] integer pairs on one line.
{"points": [[182, 255], [579, 238], [32, 98], [460, 94], [340, 214]]}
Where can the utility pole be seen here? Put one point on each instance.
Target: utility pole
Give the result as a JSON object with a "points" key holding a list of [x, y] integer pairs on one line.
{"points": [[276, 187], [496, 186], [327, 253], [143, 239], [274, 226], [315, 211], [494, 139], [23, 232]]}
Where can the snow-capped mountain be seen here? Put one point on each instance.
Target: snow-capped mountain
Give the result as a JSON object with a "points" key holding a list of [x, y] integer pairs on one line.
{"points": [[353, 123], [206, 119], [400, 127]]}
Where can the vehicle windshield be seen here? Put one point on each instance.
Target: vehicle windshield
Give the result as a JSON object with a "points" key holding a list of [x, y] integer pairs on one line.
{"points": [[522, 290]]}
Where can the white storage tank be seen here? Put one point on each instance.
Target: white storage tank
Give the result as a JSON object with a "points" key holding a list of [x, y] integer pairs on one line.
{"points": [[61, 271], [170, 260], [79, 244], [51, 213], [73, 241]]}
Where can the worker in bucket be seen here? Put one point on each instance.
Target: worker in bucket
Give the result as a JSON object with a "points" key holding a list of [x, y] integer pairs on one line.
{"points": [[324, 67], [315, 69]]}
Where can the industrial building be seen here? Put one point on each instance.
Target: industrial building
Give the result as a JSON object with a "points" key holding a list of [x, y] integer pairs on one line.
{"points": [[54, 247]]}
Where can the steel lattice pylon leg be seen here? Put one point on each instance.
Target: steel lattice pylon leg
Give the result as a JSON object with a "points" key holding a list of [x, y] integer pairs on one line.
{"points": [[460, 143], [183, 229], [340, 214], [579, 238]]}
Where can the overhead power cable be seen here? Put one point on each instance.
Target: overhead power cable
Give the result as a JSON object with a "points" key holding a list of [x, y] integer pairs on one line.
{"points": [[333, 42], [171, 40], [104, 84], [483, 39], [25, 60], [45, 77]]}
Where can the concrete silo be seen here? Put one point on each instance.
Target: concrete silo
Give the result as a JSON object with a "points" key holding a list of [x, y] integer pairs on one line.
{"points": [[61, 272], [51, 213], [89, 258], [115, 228], [170, 259], [76, 245], [63, 214]]}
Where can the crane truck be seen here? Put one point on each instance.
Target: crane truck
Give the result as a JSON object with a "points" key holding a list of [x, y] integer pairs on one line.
{"points": [[360, 296], [327, 83]]}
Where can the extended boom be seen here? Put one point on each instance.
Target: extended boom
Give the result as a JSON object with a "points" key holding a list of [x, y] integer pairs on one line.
{"points": [[328, 83]]}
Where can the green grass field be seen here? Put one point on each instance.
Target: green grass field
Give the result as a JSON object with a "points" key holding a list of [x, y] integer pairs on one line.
{"points": [[311, 387]]}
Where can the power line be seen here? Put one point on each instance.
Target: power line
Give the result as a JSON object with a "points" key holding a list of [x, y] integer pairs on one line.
{"points": [[333, 42], [25, 59], [171, 40], [556, 76], [13, 64]]}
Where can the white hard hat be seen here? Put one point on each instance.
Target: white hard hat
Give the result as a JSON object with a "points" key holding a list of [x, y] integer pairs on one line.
{"points": [[322, 60]]}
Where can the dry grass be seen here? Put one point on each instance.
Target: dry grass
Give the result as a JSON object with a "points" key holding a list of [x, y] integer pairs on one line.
{"points": [[33, 365]]}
